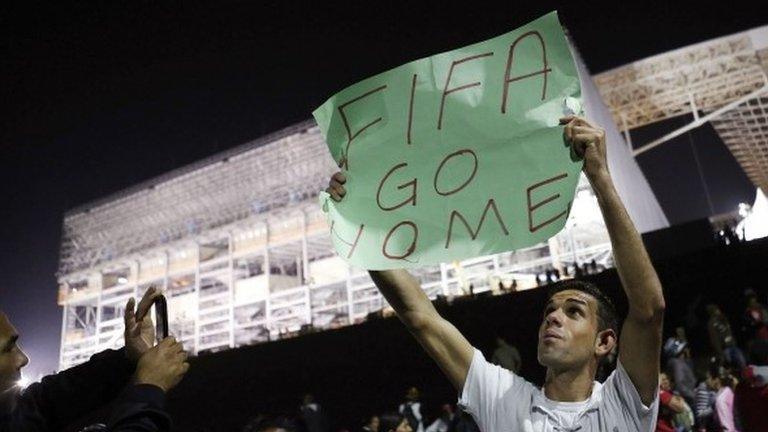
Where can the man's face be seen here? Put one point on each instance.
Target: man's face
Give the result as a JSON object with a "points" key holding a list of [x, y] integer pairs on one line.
{"points": [[412, 394], [404, 427], [568, 332], [713, 310], [712, 382], [664, 383], [687, 352], [12, 358]]}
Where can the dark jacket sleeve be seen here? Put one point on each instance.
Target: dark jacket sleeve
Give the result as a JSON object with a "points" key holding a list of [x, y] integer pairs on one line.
{"points": [[140, 409], [60, 399]]}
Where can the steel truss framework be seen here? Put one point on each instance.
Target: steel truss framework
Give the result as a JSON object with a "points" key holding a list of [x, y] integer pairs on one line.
{"points": [[200, 197], [724, 78], [243, 253], [744, 130]]}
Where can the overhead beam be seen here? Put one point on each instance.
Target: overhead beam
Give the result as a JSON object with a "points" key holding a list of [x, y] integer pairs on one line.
{"points": [[700, 121]]}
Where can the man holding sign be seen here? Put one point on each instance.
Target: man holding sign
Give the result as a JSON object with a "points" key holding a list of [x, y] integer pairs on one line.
{"points": [[577, 331], [424, 148]]}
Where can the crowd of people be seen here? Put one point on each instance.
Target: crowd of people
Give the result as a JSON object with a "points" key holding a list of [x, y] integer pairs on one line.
{"points": [[408, 416], [725, 388]]}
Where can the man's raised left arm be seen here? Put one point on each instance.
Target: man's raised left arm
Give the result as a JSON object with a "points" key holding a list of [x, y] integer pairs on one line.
{"points": [[641, 334]]}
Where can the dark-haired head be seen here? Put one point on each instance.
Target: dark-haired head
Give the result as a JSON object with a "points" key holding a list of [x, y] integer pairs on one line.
{"points": [[271, 424], [759, 352], [606, 313], [371, 424], [394, 422], [579, 326]]}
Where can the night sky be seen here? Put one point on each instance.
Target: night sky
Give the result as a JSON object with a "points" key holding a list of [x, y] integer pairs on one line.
{"points": [[97, 98]]}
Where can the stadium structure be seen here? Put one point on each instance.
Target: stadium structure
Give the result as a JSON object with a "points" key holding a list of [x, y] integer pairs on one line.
{"points": [[242, 250]]}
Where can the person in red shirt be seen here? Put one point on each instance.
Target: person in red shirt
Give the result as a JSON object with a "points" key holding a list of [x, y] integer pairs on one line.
{"points": [[757, 318], [752, 392], [670, 405]]}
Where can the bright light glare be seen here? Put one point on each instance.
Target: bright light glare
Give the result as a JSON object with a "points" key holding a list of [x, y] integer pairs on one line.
{"points": [[744, 210], [755, 224], [23, 382]]}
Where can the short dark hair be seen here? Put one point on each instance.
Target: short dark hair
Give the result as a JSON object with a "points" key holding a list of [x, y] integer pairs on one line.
{"points": [[759, 352], [390, 421], [263, 423], [606, 311]]}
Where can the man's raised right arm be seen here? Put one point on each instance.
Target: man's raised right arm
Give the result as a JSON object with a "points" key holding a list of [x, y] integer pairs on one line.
{"points": [[442, 341]]}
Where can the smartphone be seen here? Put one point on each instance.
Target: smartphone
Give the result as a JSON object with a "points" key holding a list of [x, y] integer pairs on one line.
{"points": [[161, 318]]}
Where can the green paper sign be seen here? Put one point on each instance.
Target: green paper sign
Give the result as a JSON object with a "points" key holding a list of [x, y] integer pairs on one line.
{"points": [[457, 155]]}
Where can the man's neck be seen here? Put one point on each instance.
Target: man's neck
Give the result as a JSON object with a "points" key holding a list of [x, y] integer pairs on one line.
{"points": [[570, 385]]}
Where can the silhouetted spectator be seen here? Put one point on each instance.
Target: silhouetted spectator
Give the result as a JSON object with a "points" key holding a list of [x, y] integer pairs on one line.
{"points": [[312, 415], [463, 422], [724, 407], [136, 378], [756, 318], [444, 421], [680, 334], [394, 422], [271, 424], [705, 403], [680, 368], [721, 338], [674, 414], [506, 356], [752, 392], [411, 409], [372, 425], [577, 272]]}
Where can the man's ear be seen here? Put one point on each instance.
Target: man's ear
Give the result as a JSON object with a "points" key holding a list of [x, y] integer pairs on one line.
{"points": [[605, 342]]}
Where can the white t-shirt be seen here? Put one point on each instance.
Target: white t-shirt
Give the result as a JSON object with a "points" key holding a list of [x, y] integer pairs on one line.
{"points": [[501, 401]]}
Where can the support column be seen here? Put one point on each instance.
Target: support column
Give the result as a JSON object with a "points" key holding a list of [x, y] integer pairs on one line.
{"points": [[444, 279], [231, 283], [64, 310], [304, 252], [197, 297], [625, 132]]}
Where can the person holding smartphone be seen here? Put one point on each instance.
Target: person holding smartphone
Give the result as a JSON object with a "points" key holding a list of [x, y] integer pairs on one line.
{"points": [[136, 377]]}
